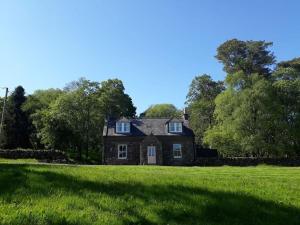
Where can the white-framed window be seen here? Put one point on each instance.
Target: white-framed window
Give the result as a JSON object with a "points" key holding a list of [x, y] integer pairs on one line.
{"points": [[175, 127], [122, 151], [177, 152], [123, 127]]}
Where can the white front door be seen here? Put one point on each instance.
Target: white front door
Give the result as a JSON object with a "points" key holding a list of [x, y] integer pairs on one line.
{"points": [[151, 153]]}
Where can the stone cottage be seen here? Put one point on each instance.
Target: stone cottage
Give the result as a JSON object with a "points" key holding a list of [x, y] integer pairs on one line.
{"points": [[167, 141]]}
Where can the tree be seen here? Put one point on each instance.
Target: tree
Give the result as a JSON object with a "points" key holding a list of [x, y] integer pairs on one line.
{"points": [[248, 56], [287, 88], [247, 113], [35, 106], [114, 101], [221, 134], [245, 121], [16, 122], [161, 111], [75, 119], [2, 135], [200, 99]]}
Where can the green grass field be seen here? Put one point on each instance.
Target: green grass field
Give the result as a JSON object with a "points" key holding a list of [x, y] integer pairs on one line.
{"points": [[55, 194]]}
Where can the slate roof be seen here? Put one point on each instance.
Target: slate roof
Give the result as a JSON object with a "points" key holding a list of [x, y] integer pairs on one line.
{"points": [[144, 127]]}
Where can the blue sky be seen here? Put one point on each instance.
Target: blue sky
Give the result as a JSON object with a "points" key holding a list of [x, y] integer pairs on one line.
{"points": [[156, 47]]}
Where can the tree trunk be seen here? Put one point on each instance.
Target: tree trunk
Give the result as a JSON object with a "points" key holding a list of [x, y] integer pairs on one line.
{"points": [[80, 151], [87, 135]]}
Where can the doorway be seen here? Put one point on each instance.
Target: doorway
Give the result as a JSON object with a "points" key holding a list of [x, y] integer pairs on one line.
{"points": [[151, 153]]}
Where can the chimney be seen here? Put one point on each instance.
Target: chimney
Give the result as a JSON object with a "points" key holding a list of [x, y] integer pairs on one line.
{"points": [[185, 114]]}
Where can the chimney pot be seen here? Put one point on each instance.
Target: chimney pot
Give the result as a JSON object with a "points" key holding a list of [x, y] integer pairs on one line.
{"points": [[185, 114]]}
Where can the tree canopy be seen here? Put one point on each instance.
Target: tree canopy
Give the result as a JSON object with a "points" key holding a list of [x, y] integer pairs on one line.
{"points": [[161, 111], [200, 100], [258, 113], [247, 56], [114, 101], [71, 119], [255, 111]]}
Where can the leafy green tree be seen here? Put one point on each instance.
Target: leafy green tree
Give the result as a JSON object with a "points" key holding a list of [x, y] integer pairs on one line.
{"points": [[161, 111], [221, 135], [75, 119], [200, 99], [287, 88], [247, 112], [248, 56], [114, 102], [35, 106], [245, 121]]}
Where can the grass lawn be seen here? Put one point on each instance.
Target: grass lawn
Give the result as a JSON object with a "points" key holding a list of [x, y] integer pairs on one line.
{"points": [[55, 194]]}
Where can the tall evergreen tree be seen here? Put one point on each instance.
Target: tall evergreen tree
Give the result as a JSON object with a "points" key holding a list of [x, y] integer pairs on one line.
{"points": [[248, 56], [246, 112], [17, 123]]}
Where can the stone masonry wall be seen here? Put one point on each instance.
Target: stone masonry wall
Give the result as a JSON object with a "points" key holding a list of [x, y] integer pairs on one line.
{"points": [[111, 150], [187, 147], [246, 161], [46, 155]]}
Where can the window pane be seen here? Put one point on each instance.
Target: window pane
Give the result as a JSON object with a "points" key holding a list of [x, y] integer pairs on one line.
{"points": [[176, 146], [175, 127], [127, 127], [122, 151], [172, 127], [122, 127], [177, 153], [119, 127], [179, 127], [151, 151]]}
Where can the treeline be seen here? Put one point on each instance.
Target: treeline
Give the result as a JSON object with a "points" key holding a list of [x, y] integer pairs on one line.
{"points": [[255, 111], [70, 119]]}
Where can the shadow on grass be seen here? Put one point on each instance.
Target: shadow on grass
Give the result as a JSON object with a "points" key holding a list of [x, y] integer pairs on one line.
{"points": [[172, 204]]}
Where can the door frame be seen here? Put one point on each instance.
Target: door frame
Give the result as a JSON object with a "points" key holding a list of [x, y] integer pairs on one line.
{"points": [[153, 154]]}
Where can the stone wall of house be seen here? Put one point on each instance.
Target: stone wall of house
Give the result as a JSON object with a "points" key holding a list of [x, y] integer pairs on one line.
{"points": [[135, 145], [44, 155], [111, 150], [187, 147]]}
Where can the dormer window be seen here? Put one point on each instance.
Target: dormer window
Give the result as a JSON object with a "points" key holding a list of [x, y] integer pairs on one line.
{"points": [[175, 127], [122, 127]]}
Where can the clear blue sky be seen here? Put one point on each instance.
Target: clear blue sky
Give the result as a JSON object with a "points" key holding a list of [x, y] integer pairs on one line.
{"points": [[155, 47]]}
